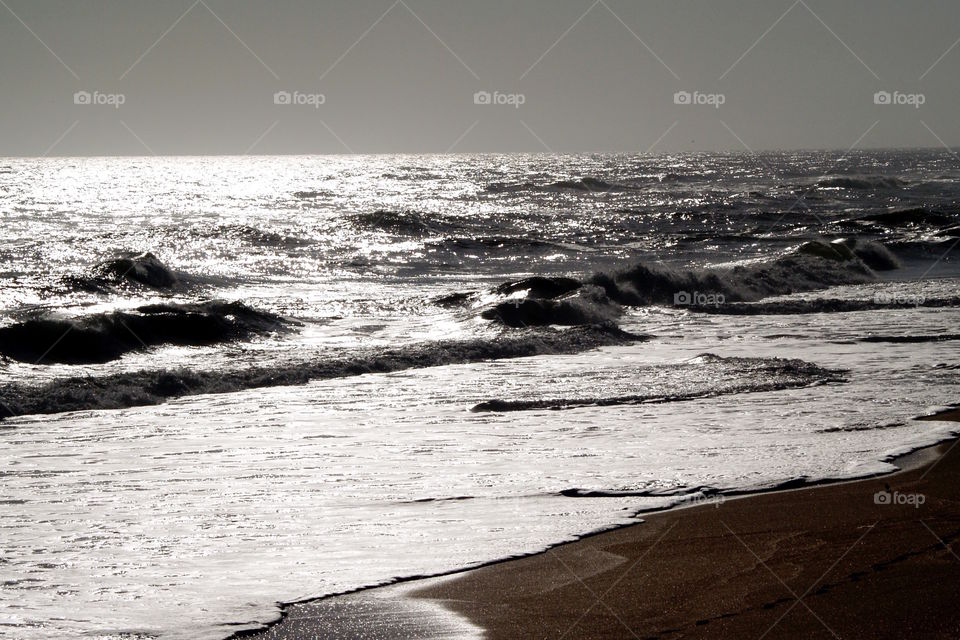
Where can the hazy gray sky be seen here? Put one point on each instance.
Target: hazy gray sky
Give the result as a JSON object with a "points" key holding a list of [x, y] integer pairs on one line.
{"points": [[200, 76]]}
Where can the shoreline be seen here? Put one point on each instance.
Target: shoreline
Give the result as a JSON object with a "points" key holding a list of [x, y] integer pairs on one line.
{"points": [[460, 603]]}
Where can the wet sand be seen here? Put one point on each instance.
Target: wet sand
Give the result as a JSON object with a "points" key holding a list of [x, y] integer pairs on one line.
{"points": [[831, 561]]}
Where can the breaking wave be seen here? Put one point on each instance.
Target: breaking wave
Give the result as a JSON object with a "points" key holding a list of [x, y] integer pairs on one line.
{"points": [[814, 265], [540, 286], [588, 305], [644, 285], [156, 386], [104, 337]]}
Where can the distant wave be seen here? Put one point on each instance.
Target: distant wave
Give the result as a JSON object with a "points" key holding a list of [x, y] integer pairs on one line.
{"points": [[774, 374], [873, 254], [137, 270], [510, 187], [134, 272], [503, 243], [156, 386], [588, 184], [930, 248], [907, 217], [414, 174], [403, 222], [861, 182], [145, 269], [257, 236], [912, 339], [676, 177], [738, 238], [104, 337]]}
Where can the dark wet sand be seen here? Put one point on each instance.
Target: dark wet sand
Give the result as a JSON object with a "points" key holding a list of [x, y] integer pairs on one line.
{"points": [[819, 562]]}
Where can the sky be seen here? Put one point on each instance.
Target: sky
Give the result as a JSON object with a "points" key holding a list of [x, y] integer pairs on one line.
{"points": [[196, 77]]}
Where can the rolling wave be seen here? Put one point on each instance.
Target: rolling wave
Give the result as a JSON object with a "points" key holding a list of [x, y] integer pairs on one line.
{"points": [[257, 236], [588, 305], [501, 243], [912, 339], [104, 337], [802, 270], [584, 185], [141, 270], [156, 386], [403, 222], [814, 265], [918, 216]]}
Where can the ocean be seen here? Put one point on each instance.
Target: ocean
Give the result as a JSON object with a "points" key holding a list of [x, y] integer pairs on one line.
{"points": [[233, 382]]}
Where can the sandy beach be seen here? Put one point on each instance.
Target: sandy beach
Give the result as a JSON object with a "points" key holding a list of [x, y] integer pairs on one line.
{"points": [[873, 558]]}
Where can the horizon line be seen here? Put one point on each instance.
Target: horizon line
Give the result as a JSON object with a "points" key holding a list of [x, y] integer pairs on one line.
{"points": [[943, 149]]}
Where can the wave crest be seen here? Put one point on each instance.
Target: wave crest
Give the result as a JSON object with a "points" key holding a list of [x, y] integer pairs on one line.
{"points": [[103, 337], [814, 265]]}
